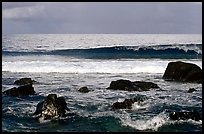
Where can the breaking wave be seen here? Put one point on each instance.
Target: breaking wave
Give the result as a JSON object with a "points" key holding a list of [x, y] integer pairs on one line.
{"points": [[174, 51]]}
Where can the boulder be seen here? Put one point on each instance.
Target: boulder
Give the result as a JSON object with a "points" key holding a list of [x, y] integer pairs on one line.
{"points": [[24, 81], [127, 85], [191, 90], [20, 91], [183, 72], [185, 115], [127, 103], [84, 90], [51, 107]]}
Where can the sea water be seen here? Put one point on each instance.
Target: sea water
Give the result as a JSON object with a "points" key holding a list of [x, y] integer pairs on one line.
{"points": [[62, 63]]}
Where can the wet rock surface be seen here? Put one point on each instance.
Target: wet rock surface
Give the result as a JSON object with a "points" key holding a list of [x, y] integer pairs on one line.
{"points": [[20, 91], [84, 90], [183, 72], [127, 103], [185, 115], [127, 85], [24, 81], [51, 107]]}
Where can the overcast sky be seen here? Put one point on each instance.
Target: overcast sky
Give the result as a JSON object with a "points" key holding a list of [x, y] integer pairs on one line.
{"points": [[102, 17]]}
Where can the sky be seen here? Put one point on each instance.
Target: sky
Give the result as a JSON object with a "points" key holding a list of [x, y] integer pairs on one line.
{"points": [[102, 17]]}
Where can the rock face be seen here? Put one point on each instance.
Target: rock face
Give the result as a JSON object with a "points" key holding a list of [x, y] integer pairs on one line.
{"points": [[183, 72], [51, 107], [84, 90], [20, 91], [127, 85], [24, 81], [185, 115], [127, 103]]}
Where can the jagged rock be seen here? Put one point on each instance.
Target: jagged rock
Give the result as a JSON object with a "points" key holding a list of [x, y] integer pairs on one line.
{"points": [[185, 115], [24, 81], [20, 91], [183, 72], [51, 107], [191, 90], [84, 90], [127, 103], [127, 85]]}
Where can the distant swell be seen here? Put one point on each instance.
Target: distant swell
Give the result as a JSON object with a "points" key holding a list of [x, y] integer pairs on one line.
{"points": [[184, 51]]}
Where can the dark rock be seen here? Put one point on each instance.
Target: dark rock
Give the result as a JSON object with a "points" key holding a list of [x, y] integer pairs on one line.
{"points": [[132, 86], [183, 72], [84, 90], [127, 103], [24, 81], [191, 90], [185, 115], [51, 107], [20, 91]]}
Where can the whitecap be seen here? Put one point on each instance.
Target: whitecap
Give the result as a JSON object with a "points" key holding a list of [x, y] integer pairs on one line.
{"points": [[145, 124]]}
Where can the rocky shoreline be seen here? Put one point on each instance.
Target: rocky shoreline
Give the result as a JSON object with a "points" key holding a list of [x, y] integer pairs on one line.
{"points": [[54, 107]]}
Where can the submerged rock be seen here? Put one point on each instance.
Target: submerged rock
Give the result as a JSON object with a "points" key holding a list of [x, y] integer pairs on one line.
{"points": [[183, 72], [84, 90], [51, 107], [185, 115], [127, 103], [20, 91], [24, 81], [127, 85]]}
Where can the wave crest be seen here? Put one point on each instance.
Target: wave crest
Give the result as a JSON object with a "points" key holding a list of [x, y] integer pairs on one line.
{"points": [[174, 51]]}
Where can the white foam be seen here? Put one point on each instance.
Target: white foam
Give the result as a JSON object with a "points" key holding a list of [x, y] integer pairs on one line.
{"points": [[147, 124], [90, 66], [138, 106], [108, 66]]}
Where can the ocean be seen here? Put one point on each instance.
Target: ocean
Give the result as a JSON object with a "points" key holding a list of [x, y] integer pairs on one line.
{"points": [[62, 63]]}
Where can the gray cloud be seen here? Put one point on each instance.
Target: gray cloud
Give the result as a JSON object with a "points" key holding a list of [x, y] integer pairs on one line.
{"points": [[95, 17]]}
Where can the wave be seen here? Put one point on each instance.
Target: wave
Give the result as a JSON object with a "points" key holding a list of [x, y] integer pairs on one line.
{"points": [[174, 51]]}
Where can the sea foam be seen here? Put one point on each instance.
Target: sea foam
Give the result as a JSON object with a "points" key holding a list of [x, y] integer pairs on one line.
{"points": [[108, 66]]}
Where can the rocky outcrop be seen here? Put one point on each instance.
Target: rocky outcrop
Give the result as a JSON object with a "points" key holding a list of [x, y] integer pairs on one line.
{"points": [[127, 85], [127, 103], [183, 72], [84, 90], [51, 107], [20, 91], [185, 115], [24, 81]]}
